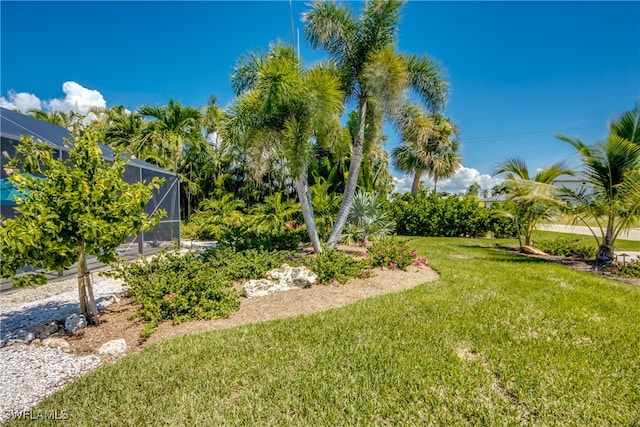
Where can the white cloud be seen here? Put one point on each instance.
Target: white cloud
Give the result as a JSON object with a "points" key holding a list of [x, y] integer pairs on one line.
{"points": [[21, 101], [459, 183], [78, 99]]}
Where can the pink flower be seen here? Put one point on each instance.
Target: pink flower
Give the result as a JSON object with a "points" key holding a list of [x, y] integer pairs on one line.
{"points": [[171, 295], [415, 254], [394, 265]]}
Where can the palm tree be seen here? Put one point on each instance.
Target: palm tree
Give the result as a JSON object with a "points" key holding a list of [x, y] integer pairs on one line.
{"points": [[534, 198], [431, 146], [171, 131], [272, 215], [283, 107], [374, 76], [611, 168], [68, 120], [444, 161], [172, 137]]}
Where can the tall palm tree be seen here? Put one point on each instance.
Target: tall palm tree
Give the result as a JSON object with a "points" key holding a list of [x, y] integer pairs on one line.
{"points": [[534, 197], [611, 168], [374, 76], [444, 160], [284, 107], [431, 146], [171, 130]]}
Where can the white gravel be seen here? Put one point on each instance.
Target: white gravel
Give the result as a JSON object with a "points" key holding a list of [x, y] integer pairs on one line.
{"points": [[29, 373]]}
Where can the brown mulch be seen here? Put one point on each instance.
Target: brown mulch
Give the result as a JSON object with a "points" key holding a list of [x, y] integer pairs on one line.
{"points": [[117, 319]]}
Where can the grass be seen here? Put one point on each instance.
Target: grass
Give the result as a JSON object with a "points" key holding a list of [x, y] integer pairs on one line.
{"points": [[499, 339], [620, 244]]}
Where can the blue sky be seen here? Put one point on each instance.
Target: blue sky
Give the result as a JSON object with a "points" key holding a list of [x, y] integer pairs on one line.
{"points": [[520, 72]]}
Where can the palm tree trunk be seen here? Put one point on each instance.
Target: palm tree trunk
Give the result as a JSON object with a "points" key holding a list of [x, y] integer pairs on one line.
{"points": [[415, 187], [605, 251], [352, 180], [88, 306], [435, 185], [302, 188]]}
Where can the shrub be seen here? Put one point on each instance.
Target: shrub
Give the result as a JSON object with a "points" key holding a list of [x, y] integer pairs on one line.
{"points": [[393, 254], [178, 288], [432, 214], [247, 264], [630, 269], [568, 247], [336, 265]]}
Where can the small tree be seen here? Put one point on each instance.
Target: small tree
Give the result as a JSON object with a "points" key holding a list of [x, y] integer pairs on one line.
{"points": [[70, 209]]}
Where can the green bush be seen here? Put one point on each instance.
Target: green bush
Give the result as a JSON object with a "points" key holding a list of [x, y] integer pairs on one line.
{"points": [[393, 254], [436, 215], [568, 247], [630, 269], [247, 264], [178, 288], [336, 265]]}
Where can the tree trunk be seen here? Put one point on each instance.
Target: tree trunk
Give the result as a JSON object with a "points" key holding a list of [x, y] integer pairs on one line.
{"points": [[88, 306], [605, 251], [415, 187], [435, 185], [515, 219], [352, 180], [302, 187]]}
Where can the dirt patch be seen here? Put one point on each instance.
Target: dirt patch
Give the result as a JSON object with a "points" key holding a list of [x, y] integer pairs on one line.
{"points": [[117, 319]]}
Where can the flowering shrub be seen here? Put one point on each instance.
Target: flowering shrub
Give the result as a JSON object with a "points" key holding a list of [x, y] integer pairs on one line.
{"points": [[394, 254], [629, 269], [178, 288]]}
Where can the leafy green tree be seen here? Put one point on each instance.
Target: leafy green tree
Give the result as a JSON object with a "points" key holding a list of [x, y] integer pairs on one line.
{"points": [[611, 169], [70, 209], [534, 198], [374, 76], [282, 106]]}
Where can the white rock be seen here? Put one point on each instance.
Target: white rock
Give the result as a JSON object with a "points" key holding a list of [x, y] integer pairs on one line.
{"points": [[57, 343], [24, 335], [75, 322], [280, 279], [113, 347]]}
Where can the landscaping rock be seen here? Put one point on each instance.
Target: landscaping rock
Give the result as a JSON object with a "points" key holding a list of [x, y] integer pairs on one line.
{"points": [[530, 250], [75, 322], [113, 347], [57, 343], [46, 329], [280, 279], [24, 335]]}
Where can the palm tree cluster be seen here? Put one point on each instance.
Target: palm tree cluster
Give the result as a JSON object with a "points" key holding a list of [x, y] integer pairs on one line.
{"points": [[281, 138], [608, 198]]}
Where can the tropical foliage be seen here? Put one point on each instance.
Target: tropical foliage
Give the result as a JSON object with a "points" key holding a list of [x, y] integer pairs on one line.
{"points": [[611, 170], [375, 77], [70, 209], [534, 197]]}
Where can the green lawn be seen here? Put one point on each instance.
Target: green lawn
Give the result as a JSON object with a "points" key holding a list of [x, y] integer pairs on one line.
{"points": [[620, 244], [500, 339]]}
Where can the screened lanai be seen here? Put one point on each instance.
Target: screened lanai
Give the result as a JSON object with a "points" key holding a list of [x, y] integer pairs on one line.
{"points": [[13, 125]]}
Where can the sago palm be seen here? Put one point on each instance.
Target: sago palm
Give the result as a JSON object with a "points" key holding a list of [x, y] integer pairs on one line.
{"points": [[375, 78]]}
